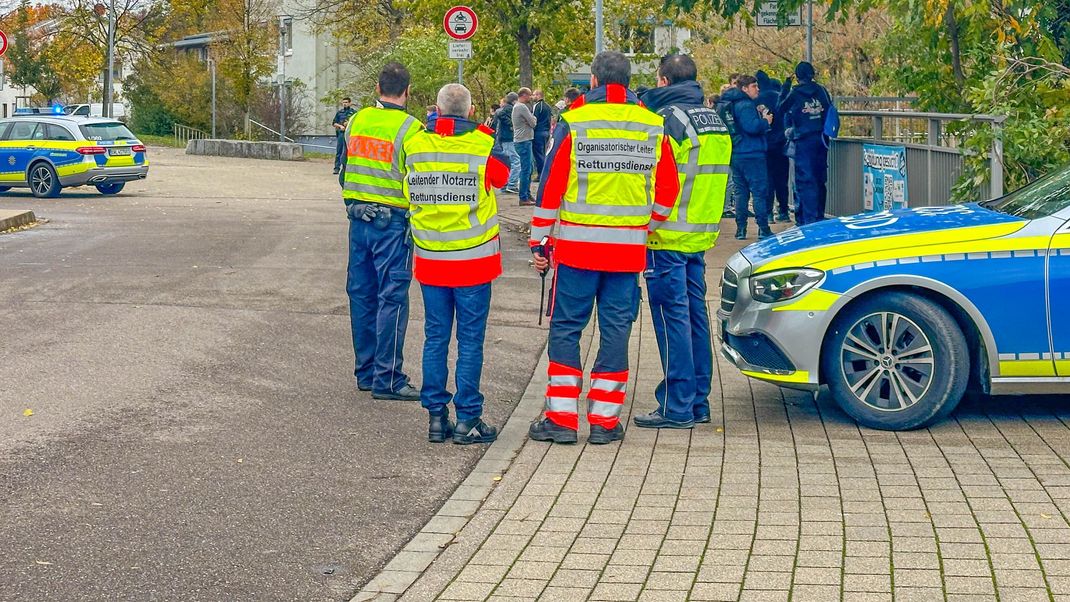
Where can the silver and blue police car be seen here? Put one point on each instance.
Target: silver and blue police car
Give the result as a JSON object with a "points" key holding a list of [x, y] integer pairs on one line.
{"points": [[899, 312]]}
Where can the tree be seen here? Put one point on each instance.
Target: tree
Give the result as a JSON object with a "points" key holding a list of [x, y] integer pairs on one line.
{"points": [[246, 51]]}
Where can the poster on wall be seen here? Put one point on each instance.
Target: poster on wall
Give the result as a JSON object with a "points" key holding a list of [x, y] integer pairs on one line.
{"points": [[884, 177]]}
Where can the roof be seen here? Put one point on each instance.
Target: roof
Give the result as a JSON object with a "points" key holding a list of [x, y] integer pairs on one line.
{"points": [[60, 119]]}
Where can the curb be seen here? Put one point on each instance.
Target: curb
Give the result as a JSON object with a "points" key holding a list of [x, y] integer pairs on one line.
{"points": [[425, 547], [15, 219]]}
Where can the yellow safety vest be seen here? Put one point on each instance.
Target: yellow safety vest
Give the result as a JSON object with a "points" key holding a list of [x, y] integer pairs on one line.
{"points": [[374, 142], [615, 150], [453, 215], [702, 160]]}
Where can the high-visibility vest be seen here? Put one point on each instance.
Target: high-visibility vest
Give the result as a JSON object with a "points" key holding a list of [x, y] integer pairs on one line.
{"points": [[454, 215], [606, 206], [374, 143], [702, 160]]}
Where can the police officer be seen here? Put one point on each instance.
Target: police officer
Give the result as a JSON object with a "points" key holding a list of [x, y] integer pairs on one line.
{"points": [[341, 118], [675, 258], [380, 253], [450, 181], [806, 108], [610, 176]]}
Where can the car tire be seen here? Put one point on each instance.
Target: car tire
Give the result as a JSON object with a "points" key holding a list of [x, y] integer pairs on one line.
{"points": [[913, 381], [44, 183], [109, 189]]}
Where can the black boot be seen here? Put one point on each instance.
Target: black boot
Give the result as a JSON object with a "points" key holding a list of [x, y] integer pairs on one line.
{"points": [[474, 431], [600, 435], [439, 427], [544, 430], [741, 233], [764, 233]]}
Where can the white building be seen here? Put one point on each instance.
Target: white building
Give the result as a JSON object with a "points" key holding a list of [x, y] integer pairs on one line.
{"points": [[313, 58]]}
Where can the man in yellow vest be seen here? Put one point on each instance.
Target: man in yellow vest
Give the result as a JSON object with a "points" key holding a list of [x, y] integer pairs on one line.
{"points": [[380, 253], [450, 177], [611, 175], [676, 265]]}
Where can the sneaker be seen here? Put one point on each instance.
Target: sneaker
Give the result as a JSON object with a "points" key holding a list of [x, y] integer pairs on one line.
{"points": [[765, 233], [336, 171], [474, 431], [439, 427], [406, 393], [510, 190], [655, 420], [544, 430], [600, 435], [727, 214], [741, 233], [783, 217], [702, 418]]}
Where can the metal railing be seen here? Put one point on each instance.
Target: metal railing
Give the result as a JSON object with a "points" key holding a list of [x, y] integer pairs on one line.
{"points": [[266, 128], [934, 156], [184, 133]]}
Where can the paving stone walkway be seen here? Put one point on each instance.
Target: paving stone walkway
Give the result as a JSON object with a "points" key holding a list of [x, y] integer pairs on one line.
{"points": [[781, 498]]}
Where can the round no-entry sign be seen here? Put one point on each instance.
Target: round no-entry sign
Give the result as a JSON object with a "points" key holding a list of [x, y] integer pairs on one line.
{"points": [[460, 22], [3, 43]]}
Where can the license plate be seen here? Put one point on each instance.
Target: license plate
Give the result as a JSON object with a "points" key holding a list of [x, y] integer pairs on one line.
{"points": [[119, 152]]}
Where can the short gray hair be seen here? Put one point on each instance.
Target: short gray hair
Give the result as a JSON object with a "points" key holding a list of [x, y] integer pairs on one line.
{"points": [[611, 67], [454, 99], [512, 97]]}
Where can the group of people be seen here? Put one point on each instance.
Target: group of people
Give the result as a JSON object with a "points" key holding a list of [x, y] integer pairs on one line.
{"points": [[521, 122], [628, 186]]}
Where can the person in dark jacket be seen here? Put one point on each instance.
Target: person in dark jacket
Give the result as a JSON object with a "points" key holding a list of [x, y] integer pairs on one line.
{"points": [[341, 119], [805, 108], [749, 173], [544, 115], [775, 160], [504, 120]]}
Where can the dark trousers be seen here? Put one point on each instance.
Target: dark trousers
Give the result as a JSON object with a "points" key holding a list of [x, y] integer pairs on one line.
{"points": [[811, 176], [676, 286], [380, 270], [751, 178], [471, 306], [339, 150], [523, 150], [777, 164], [538, 150]]}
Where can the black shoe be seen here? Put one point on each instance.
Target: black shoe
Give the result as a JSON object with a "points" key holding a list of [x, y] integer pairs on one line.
{"points": [[406, 393], [440, 427], [741, 233], [728, 213], [544, 430], [600, 435], [764, 234], [702, 419], [335, 172], [475, 431], [783, 217], [655, 420]]}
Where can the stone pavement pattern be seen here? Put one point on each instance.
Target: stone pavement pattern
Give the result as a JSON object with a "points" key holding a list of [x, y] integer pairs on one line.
{"points": [[781, 498]]}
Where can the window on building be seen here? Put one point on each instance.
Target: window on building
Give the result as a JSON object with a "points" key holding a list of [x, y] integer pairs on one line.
{"points": [[286, 35]]}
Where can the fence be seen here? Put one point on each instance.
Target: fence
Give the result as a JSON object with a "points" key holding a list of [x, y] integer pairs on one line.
{"points": [[933, 156], [184, 133]]}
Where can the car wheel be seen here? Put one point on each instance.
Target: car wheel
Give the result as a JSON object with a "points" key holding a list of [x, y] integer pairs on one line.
{"points": [[44, 183], [112, 188], [896, 362]]}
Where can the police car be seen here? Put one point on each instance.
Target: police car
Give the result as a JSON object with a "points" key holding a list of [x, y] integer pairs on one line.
{"points": [[48, 152], [899, 312]]}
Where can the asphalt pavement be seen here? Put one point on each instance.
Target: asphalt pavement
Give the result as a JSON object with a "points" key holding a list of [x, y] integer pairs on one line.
{"points": [[195, 434]]}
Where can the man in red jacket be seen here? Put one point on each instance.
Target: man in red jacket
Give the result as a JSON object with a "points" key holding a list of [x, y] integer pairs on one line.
{"points": [[611, 177]]}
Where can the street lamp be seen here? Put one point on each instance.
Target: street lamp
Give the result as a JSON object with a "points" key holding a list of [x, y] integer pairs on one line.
{"points": [[100, 9], [211, 69]]}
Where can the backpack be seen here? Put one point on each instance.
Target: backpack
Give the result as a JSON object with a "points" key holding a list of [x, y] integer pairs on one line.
{"points": [[832, 122]]}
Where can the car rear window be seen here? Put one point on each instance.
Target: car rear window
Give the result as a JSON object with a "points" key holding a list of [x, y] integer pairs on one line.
{"points": [[106, 131], [1047, 196]]}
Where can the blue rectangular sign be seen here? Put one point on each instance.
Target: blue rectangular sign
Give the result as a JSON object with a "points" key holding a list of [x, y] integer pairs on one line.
{"points": [[884, 177]]}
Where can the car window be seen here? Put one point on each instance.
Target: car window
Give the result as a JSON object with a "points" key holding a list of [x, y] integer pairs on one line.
{"points": [[57, 132], [21, 130], [40, 132], [107, 130], [1047, 196]]}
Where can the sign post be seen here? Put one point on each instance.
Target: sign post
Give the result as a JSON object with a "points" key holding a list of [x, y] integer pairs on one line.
{"points": [[460, 24]]}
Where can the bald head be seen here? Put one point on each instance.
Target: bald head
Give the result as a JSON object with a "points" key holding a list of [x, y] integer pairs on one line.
{"points": [[454, 99]]}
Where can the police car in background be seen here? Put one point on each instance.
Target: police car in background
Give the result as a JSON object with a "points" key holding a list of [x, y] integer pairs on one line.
{"points": [[47, 152], [898, 312]]}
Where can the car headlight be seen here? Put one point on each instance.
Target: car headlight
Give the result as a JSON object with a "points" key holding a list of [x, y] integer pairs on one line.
{"points": [[783, 285]]}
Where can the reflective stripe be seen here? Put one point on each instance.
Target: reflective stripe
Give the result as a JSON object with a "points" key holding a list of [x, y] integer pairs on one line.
{"points": [[540, 232], [409, 122], [605, 409], [624, 236], [544, 213], [707, 170], [662, 210], [608, 385], [455, 235], [437, 157], [358, 169], [562, 404], [582, 126], [370, 189], [487, 249], [682, 227], [689, 128], [608, 210], [565, 381]]}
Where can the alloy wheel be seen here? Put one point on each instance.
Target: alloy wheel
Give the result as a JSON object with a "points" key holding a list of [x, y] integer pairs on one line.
{"points": [[41, 180], [887, 361]]}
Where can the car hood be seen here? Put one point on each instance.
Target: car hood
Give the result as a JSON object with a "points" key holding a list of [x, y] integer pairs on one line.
{"points": [[870, 233]]}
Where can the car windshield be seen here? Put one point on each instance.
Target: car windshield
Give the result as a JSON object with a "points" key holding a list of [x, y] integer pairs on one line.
{"points": [[106, 131], [1047, 196]]}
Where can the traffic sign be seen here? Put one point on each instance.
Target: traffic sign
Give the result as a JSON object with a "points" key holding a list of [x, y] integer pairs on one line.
{"points": [[460, 51], [460, 22], [3, 43]]}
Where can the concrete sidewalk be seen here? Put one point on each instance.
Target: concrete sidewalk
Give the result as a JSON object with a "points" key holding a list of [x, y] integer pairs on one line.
{"points": [[780, 498]]}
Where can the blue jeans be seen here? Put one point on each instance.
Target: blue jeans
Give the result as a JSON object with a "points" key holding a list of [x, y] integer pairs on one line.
{"points": [[811, 175], [470, 305], [340, 150], [750, 177], [509, 148], [523, 149], [380, 269], [676, 285]]}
